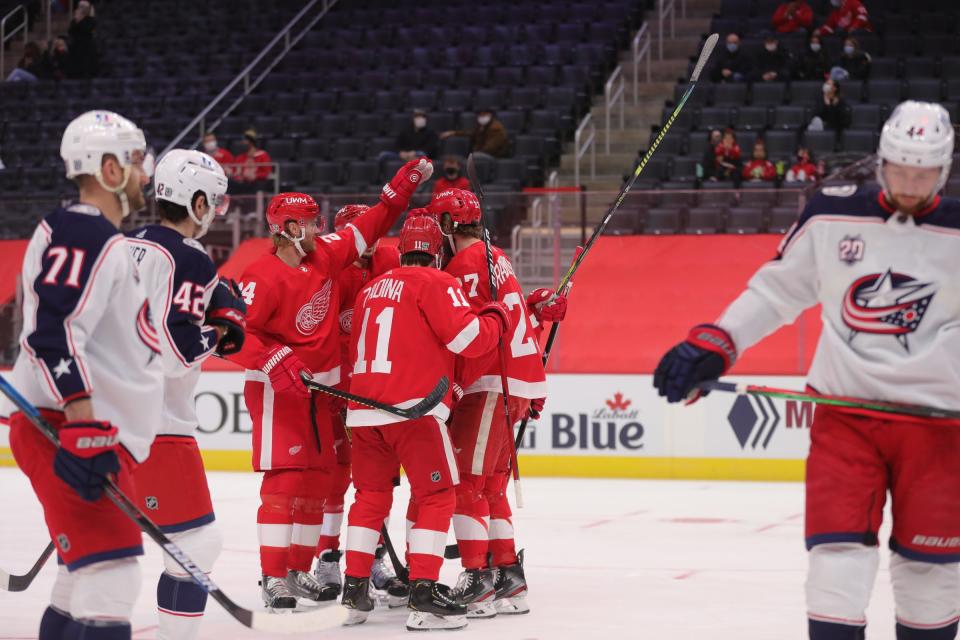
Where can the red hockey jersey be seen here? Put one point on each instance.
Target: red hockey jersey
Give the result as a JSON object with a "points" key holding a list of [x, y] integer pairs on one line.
{"points": [[410, 324], [525, 374], [297, 306]]}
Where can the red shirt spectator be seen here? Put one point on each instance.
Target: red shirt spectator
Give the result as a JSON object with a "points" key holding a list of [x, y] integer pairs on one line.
{"points": [[803, 170], [727, 155], [253, 164], [759, 168], [452, 177], [849, 15], [793, 16], [221, 155]]}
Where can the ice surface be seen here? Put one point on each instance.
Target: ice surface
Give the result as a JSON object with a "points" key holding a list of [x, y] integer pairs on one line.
{"points": [[606, 559]]}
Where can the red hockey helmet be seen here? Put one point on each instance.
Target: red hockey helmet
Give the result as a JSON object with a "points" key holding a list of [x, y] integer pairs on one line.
{"points": [[462, 205], [421, 234], [296, 207], [347, 214]]}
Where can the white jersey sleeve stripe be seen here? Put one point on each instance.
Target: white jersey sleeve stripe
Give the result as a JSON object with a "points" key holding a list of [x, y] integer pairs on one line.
{"points": [[467, 335]]}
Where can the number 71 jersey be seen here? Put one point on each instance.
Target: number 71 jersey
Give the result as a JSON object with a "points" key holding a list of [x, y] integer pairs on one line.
{"points": [[525, 374]]}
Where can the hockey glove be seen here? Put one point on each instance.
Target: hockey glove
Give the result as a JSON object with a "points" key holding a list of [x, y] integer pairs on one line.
{"points": [[397, 193], [536, 407], [87, 455], [284, 367], [228, 311], [499, 311], [706, 354], [547, 310]]}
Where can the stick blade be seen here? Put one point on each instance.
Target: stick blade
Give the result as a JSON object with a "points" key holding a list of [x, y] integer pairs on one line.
{"points": [[324, 619], [705, 54], [432, 399]]}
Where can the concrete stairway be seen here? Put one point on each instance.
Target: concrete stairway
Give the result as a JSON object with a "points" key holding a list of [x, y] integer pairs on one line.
{"points": [[59, 24]]}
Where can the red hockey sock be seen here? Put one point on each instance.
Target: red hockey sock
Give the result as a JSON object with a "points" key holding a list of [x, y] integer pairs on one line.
{"points": [[366, 516], [428, 537], [275, 520], [308, 518], [333, 510], [471, 521], [502, 546]]}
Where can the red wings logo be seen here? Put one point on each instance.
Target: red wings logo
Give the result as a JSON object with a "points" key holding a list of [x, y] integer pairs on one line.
{"points": [[888, 303], [312, 314], [346, 322]]}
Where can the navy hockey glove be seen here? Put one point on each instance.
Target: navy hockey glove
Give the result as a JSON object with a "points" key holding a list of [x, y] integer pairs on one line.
{"points": [[87, 455], [228, 311], [706, 354]]}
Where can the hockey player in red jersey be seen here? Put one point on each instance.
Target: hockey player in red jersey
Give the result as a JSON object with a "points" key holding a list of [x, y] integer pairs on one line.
{"points": [[411, 324], [88, 361], [482, 520], [290, 327], [883, 264], [377, 259]]}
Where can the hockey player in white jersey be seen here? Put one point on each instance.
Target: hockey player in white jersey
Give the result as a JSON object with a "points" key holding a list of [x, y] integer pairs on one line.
{"points": [[196, 314], [88, 360], [884, 265]]}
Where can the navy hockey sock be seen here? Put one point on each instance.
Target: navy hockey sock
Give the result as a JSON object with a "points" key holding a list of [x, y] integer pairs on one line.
{"points": [[180, 596], [948, 632], [832, 631], [78, 631], [53, 623]]}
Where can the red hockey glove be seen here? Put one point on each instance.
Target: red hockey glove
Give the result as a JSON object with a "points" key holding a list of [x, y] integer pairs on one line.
{"points": [[87, 456], [499, 311], [284, 367], [536, 407], [397, 193], [706, 354], [547, 310], [228, 311]]}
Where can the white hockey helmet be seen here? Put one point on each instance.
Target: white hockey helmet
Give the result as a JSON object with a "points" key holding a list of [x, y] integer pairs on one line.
{"points": [[181, 173], [917, 134], [94, 134]]}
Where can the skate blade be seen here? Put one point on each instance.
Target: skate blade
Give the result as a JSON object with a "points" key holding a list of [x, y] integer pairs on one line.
{"points": [[420, 621], [482, 610], [512, 606], [355, 617]]}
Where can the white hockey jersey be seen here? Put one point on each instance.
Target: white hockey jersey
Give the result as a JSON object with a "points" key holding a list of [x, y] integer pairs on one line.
{"points": [[86, 326], [889, 289], [179, 278]]}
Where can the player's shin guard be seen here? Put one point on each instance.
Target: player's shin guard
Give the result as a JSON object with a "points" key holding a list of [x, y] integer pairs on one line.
{"points": [[102, 599], [181, 603], [53, 624], [275, 520], [927, 596], [428, 537], [502, 545], [839, 580], [471, 521], [369, 509]]}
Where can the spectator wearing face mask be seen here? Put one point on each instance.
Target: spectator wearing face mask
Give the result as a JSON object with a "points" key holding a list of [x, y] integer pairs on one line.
{"points": [[708, 162], [773, 62], [804, 169], [221, 155], [833, 113], [488, 138], [847, 16], [732, 64], [814, 64], [759, 169], [793, 16], [251, 169], [452, 176], [417, 140], [854, 60]]}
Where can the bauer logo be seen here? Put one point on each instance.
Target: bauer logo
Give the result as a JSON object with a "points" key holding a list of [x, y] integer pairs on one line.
{"points": [[613, 425], [755, 421]]}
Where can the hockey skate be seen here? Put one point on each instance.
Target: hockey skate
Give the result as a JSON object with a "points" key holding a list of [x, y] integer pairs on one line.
{"points": [[385, 587], [356, 598], [475, 589], [327, 571], [433, 606], [303, 585], [511, 586], [276, 594]]}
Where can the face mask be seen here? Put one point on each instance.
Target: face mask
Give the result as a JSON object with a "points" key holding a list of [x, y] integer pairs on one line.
{"points": [[771, 47], [419, 122], [732, 47], [452, 172], [210, 146], [814, 46], [848, 50], [483, 120]]}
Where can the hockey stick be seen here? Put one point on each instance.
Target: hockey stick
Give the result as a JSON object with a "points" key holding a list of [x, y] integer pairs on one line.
{"points": [[917, 410], [705, 53], [418, 410], [328, 618], [398, 567], [508, 424], [9, 582]]}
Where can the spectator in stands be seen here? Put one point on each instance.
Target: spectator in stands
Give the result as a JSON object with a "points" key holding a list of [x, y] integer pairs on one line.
{"points": [[731, 65], [57, 60], [251, 169], [759, 169], [417, 140], [854, 61], [727, 160], [83, 44], [489, 138], [708, 164], [804, 169], [221, 155], [814, 64], [847, 16], [30, 68], [773, 63], [793, 16], [452, 176], [833, 113]]}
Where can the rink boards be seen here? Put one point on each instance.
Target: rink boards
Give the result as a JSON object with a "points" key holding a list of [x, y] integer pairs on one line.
{"points": [[603, 426]]}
